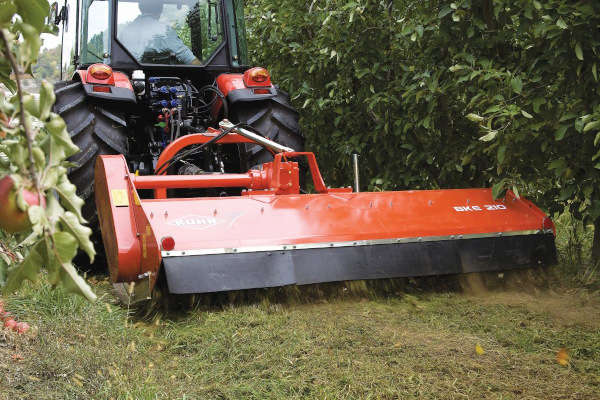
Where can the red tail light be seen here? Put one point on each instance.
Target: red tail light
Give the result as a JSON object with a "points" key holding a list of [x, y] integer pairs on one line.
{"points": [[547, 224], [167, 243], [101, 89], [100, 71]]}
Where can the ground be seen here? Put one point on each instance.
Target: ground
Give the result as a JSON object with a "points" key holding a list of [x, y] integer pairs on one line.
{"points": [[416, 343]]}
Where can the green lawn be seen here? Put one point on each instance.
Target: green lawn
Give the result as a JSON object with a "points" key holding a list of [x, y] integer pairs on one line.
{"points": [[420, 345]]}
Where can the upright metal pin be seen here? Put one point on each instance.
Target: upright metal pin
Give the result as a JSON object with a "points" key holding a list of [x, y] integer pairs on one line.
{"points": [[356, 182]]}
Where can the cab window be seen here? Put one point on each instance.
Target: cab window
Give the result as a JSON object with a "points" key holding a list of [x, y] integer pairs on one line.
{"points": [[174, 32]]}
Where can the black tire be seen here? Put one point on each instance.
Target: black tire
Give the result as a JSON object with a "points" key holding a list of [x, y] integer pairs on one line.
{"points": [[273, 118], [96, 127]]}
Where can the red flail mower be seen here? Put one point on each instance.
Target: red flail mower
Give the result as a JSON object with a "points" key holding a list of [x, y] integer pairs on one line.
{"points": [[273, 235]]}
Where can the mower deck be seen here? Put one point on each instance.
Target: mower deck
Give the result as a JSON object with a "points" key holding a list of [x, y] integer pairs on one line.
{"points": [[272, 235]]}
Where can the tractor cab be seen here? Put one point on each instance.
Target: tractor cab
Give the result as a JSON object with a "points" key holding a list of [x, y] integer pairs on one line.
{"points": [[152, 35]]}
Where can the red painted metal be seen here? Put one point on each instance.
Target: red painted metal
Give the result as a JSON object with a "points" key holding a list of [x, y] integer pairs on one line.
{"points": [[132, 248], [198, 138], [230, 82], [117, 79], [275, 217]]}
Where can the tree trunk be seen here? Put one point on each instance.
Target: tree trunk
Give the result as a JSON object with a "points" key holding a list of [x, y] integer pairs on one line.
{"points": [[596, 243]]}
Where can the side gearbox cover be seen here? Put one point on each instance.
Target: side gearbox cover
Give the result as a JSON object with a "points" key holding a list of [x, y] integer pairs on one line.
{"points": [[117, 220]]}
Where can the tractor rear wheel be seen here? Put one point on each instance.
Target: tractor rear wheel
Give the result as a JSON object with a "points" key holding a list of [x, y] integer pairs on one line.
{"points": [[273, 118], [96, 127]]}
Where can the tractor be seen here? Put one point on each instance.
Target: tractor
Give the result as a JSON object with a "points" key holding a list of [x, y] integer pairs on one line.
{"points": [[118, 96]]}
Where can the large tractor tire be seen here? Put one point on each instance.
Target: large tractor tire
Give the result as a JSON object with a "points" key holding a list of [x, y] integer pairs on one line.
{"points": [[273, 118], [96, 127]]}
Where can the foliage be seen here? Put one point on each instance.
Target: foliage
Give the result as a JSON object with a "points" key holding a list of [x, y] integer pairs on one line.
{"points": [[36, 160], [47, 66], [439, 94]]}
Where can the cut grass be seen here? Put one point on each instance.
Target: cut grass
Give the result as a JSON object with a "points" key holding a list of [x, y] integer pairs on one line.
{"points": [[420, 345]]}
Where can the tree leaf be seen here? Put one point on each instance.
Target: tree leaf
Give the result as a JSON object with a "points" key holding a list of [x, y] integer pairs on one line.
{"points": [[68, 197], [61, 145], [592, 125], [526, 114], [517, 84], [65, 249], [34, 12], [560, 132], [561, 24], [444, 11], [516, 191], [566, 193], [27, 269], [491, 135], [579, 51], [474, 117], [70, 223], [501, 154], [594, 72], [498, 188], [47, 98], [3, 271]]}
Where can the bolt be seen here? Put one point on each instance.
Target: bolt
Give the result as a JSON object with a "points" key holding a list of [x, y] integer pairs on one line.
{"points": [[306, 207], [125, 177], [391, 203], [499, 233], [166, 214], [262, 210], [430, 202], [331, 245], [183, 253], [235, 250], [468, 201], [328, 205], [151, 214], [371, 204], [215, 212]]}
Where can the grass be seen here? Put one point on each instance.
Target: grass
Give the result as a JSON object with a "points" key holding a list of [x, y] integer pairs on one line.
{"points": [[415, 344]]}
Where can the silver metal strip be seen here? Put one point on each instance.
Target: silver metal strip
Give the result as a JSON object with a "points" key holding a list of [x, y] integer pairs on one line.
{"points": [[289, 247], [226, 124]]}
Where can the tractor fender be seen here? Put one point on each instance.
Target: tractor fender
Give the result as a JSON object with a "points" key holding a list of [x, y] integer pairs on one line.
{"points": [[235, 89], [117, 87]]}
